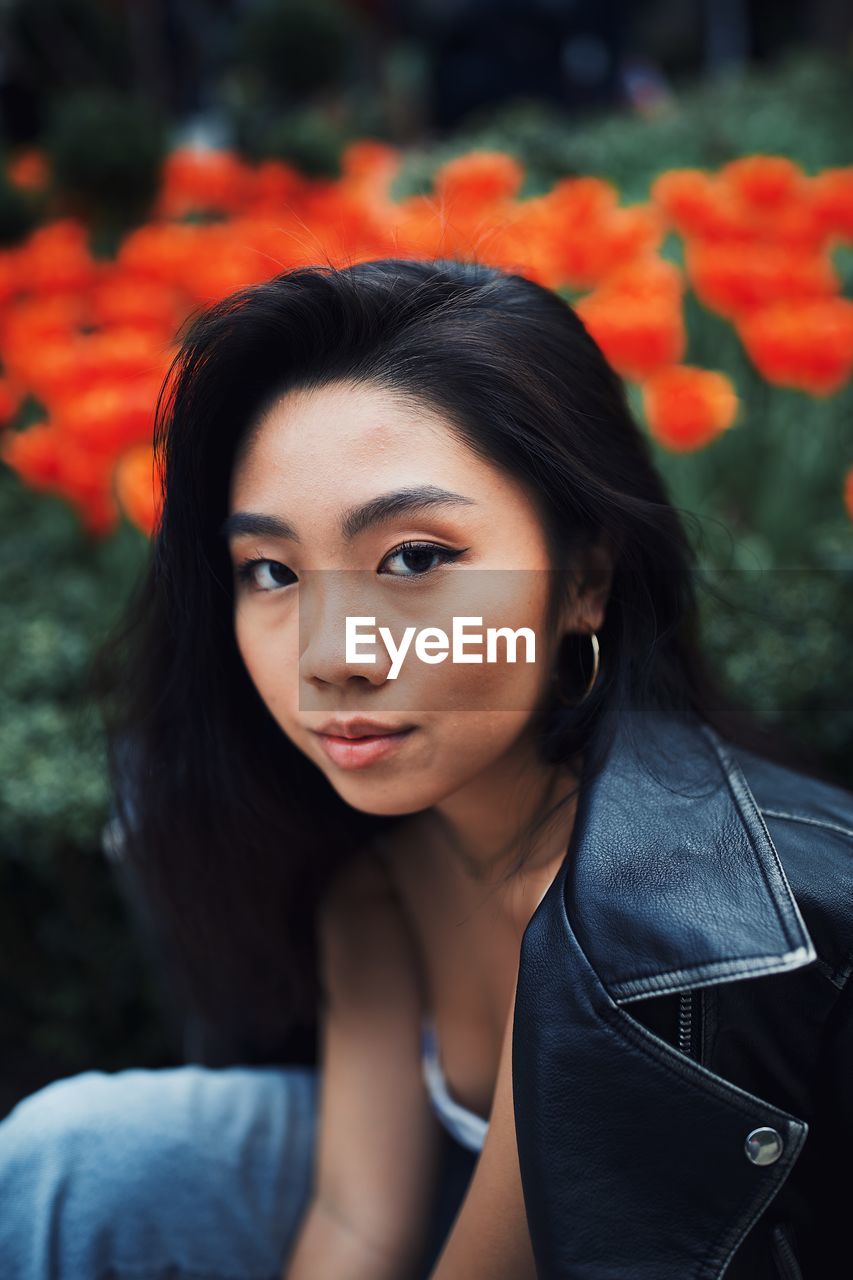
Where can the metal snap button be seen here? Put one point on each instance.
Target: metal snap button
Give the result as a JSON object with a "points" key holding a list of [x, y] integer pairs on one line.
{"points": [[763, 1146]]}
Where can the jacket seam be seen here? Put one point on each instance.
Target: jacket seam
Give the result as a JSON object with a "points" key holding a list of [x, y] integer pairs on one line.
{"points": [[813, 822], [846, 974], [623, 993], [675, 978], [838, 977], [742, 793]]}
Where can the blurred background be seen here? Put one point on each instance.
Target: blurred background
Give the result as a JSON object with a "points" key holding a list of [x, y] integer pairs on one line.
{"points": [[681, 170]]}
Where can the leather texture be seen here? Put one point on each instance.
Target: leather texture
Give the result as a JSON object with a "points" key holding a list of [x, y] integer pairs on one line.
{"points": [[686, 980]]}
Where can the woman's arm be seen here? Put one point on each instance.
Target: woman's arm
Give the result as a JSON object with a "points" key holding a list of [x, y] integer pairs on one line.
{"points": [[378, 1141], [489, 1239]]}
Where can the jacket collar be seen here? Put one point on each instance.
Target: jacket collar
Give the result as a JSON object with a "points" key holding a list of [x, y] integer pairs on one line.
{"points": [[671, 880]]}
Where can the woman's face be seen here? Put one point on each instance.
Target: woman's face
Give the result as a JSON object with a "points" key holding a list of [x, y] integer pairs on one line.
{"points": [[318, 455]]}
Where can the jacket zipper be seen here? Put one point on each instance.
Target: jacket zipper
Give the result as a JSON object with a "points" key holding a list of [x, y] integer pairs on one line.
{"points": [[786, 1259], [685, 1023]]}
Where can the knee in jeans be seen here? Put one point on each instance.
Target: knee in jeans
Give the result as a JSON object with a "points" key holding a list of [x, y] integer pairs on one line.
{"points": [[89, 1132], [56, 1111]]}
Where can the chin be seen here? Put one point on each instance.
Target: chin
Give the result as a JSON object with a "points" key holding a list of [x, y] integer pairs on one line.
{"points": [[389, 799]]}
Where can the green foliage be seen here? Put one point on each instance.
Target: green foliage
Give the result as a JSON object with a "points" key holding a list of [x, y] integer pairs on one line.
{"points": [[59, 592], [309, 139], [782, 639], [56, 45], [774, 479], [73, 987], [106, 152], [800, 108], [296, 47], [292, 93], [19, 210]]}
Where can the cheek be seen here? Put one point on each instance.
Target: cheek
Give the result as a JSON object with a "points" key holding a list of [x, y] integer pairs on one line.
{"points": [[266, 664], [504, 687], [467, 745]]}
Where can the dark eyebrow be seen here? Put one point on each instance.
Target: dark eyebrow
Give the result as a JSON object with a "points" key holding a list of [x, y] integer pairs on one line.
{"points": [[385, 507]]}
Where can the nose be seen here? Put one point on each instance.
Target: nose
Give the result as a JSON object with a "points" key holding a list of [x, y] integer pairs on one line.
{"points": [[327, 598]]}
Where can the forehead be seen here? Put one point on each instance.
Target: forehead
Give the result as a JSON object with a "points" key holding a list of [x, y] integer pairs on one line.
{"points": [[318, 453], [330, 436]]}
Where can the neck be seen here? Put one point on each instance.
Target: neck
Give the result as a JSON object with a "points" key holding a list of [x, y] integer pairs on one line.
{"points": [[477, 833]]}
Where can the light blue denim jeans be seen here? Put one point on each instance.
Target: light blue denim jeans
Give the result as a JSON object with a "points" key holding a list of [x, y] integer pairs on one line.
{"points": [[167, 1173]]}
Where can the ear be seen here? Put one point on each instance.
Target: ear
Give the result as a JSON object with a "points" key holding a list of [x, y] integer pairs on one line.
{"points": [[592, 571]]}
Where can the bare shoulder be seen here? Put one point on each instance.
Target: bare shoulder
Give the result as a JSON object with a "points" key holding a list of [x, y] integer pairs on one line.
{"points": [[364, 930]]}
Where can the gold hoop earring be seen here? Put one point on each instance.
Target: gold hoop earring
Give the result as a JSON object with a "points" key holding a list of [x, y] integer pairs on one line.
{"points": [[596, 651]]}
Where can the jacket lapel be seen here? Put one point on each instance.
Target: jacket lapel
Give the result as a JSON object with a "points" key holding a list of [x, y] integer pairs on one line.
{"points": [[672, 880], [634, 1158]]}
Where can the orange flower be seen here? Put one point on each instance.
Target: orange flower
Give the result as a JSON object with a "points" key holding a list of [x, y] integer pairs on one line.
{"points": [[515, 245], [833, 201], [636, 318], [55, 368], [10, 399], [274, 187], [764, 184], [686, 408], [202, 180], [34, 454], [120, 299], [111, 415], [46, 461], [56, 258], [848, 492], [734, 279], [28, 322], [588, 236], [28, 170], [416, 228], [584, 199], [223, 263], [646, 278], [158, 251], [751, 201], [699, 206], [92, 340], [808, 346], [478, 178], [84, 479], [371, 164], [138, 487], [125, 352], [10, 276]]}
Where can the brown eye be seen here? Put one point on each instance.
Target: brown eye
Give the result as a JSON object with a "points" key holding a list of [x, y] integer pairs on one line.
{"points": [[416, 557], [246, 574]]}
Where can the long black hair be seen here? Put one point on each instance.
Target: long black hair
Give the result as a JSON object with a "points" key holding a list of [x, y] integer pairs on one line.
{"points": [[233, 832]]}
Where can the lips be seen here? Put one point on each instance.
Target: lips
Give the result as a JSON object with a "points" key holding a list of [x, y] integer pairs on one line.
{"points": [[359, 752], [360, 728]]}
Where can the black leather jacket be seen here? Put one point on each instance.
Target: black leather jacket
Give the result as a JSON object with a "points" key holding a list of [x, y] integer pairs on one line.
{"points": [[683, 1034]]}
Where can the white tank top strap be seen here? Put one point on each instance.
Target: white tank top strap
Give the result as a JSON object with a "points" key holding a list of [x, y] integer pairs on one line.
{"points": [[467, 1127]]}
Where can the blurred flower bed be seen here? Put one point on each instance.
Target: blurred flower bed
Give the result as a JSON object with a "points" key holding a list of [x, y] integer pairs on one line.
{"points": [[86, 341], [716, 278]]}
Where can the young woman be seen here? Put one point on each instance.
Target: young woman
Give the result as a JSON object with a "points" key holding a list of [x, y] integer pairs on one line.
{"points": [[464, 870]]}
